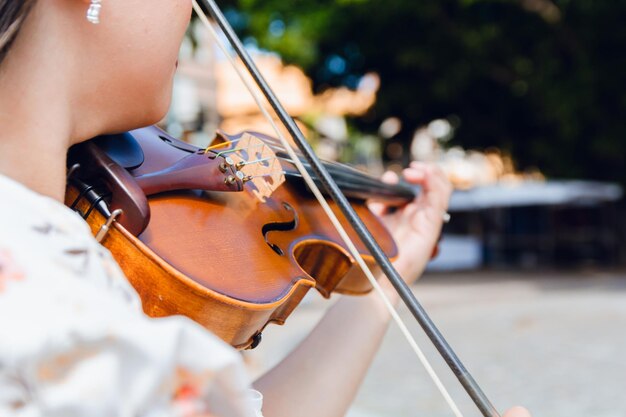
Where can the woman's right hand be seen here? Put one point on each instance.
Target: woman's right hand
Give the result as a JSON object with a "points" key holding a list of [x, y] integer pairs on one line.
{"points": [[517, 412]]}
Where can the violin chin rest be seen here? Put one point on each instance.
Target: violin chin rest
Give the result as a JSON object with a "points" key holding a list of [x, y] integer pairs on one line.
{"points": [[122, 148]]}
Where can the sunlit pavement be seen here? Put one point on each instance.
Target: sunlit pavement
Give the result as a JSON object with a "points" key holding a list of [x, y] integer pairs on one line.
{"points": [[553, 342]]}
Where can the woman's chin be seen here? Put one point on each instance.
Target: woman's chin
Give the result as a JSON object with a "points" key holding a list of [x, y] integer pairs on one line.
{"points": [[147, 118], [152, 114]]}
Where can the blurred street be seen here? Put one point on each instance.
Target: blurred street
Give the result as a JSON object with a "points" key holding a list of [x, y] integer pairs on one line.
{"points": [[553, 342]]}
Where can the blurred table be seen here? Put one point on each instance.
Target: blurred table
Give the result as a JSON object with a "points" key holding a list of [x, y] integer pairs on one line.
{"points": [[531, 224], [528, 193]]}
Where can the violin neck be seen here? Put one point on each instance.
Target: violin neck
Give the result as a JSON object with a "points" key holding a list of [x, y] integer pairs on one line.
{"points": [[358, 185]]}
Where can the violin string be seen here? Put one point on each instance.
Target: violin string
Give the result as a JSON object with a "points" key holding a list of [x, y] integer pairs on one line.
{"points": [[274, 147], [239, 149], [257, 161], [277, 147], [221, 145], [362, 178], [269, 174], [334, 220], [245, 163]]}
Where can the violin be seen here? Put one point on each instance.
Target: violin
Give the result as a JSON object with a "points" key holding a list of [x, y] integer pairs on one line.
{"points": [[228, 235], [131, 182]]}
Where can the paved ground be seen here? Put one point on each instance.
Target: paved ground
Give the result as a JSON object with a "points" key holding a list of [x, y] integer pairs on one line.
{"points": [[554, 342]]}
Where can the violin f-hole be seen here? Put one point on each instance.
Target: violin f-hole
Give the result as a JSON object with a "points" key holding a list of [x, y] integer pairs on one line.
{"points": [[280, 227]]}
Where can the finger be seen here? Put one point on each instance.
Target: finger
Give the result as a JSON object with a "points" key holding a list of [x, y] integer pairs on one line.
{"points": [[414, 176], [440, 175], [418, 165], [517, 412], [377, 208], [436, 186], [390, 177]]}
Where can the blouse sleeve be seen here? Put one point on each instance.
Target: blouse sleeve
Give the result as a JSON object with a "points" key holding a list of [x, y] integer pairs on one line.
{"points": [[74, 341]]}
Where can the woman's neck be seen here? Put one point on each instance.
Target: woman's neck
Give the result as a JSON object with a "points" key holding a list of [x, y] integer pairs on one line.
{"points": [[37, 112], [35, 131], [34, 137], [33, 152]]}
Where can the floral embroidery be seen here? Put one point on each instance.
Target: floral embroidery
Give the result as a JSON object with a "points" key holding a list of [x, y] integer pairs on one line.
{"points": [[22, 392], [77, 259], [188, 393], [9, 270], [47, 229], [57, 367]]}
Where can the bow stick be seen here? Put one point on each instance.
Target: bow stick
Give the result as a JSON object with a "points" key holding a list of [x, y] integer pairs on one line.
{"points": [[445, 350]]}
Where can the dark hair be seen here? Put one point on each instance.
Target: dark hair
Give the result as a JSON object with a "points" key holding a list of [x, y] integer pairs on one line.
{"points": [[12, 16]]}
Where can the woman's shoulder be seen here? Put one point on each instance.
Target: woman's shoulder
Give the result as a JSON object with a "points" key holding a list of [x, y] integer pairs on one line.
{"points": [[67, 311], [36, 228], [42, 240], [23, 211]]}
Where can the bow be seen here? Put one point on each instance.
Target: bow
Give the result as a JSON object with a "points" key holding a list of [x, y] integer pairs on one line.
{"points": [[204, 7]]}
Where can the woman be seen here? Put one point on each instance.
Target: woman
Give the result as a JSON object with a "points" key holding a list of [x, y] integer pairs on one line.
{"points": [[74, 341]]}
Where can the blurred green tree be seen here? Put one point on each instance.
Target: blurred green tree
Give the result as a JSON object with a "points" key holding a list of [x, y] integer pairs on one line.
{"points": [[544, 80]]}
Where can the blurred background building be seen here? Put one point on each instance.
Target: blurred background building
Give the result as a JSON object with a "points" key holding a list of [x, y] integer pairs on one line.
{"points": [[526, 126], [522, 102]]}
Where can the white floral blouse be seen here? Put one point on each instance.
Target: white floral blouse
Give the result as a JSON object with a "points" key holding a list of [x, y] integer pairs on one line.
{"points": [[74, 340]]}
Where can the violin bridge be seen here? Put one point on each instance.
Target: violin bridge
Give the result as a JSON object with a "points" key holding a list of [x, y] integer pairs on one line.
{"points": [[259, 165]]}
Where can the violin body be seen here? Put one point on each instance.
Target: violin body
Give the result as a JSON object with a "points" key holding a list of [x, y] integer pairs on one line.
{"points": [[226, 259]]}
